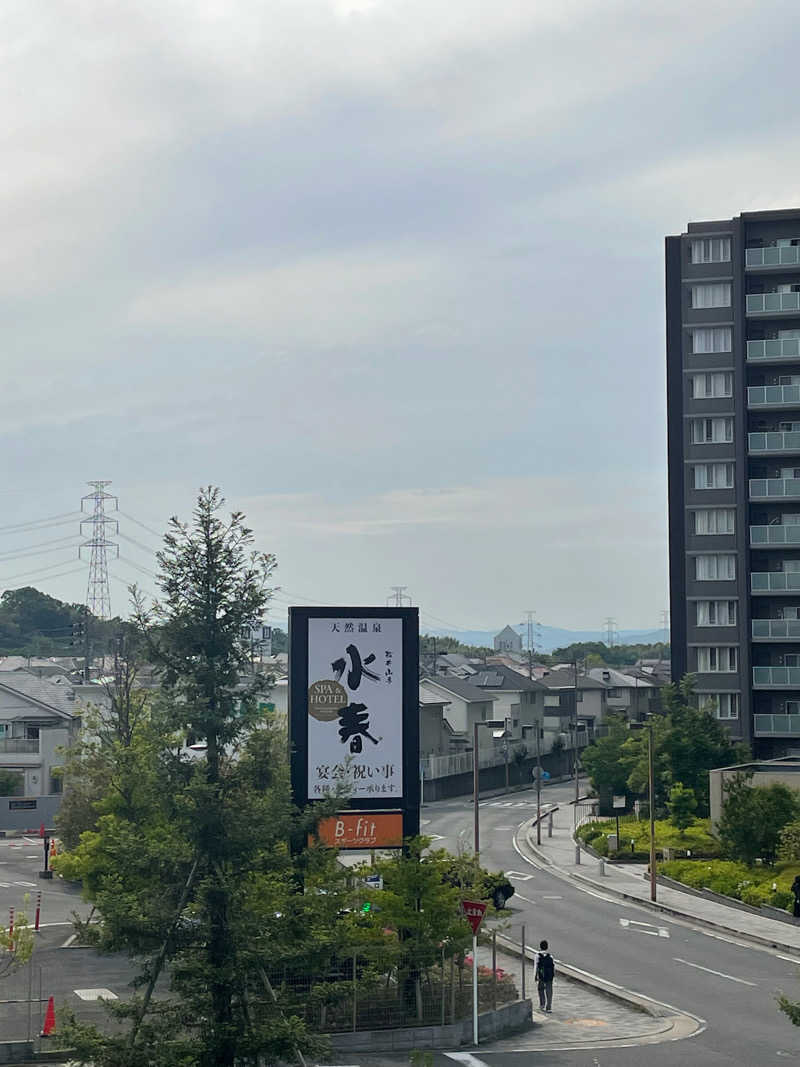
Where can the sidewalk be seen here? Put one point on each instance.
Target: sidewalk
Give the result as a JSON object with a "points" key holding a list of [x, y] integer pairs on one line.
{"points": [[626, 880], [580, 1014]]}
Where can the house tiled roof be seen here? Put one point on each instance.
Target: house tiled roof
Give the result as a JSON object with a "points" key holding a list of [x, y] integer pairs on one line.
{"points": [[565, 679], [500, 677], [458, 687], [58, 696]]}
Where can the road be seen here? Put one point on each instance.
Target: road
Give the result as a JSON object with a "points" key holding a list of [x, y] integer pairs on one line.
{"points": [[21, 859], [731, 987]]}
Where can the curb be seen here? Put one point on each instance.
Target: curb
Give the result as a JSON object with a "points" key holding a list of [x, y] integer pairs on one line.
{"points": [[599, 985], [664, 909]]}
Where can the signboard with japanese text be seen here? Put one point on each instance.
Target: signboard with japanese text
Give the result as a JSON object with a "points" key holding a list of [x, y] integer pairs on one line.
{"points": [[348, 830], [474, 911], [354, 708]]}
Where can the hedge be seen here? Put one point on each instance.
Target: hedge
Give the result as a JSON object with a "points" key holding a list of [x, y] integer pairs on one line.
{"points": [[751, 885]]}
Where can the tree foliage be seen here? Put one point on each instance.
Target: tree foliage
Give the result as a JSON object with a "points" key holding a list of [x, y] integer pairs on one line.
{"points": [[754, 816], [599, 654], [682, 805], [687, 742], [188, 861], [35, 624], [789, 842], [16, 945]]}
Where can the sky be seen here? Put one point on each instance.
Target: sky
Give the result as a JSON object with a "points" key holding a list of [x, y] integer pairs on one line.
{"points": [[388, 272]]}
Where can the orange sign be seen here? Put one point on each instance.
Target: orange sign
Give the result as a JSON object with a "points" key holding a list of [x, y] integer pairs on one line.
{"points": [[351, 830]]}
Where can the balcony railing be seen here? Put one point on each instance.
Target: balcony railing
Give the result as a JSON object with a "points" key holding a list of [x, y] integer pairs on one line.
{"points": [[16, 745], [776, 724], [779, 677], [773, 302], [774, 441], [776, 629], [775, 535], [774, 348], [763, 488], [774, 581], [759, 396], [772, 256]]}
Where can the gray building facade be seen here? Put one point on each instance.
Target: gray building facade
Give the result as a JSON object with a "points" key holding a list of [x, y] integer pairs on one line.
{"points": [[733, 394]]}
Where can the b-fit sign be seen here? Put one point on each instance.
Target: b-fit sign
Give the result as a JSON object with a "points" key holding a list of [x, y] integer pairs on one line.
{"points": [[354, 721]]}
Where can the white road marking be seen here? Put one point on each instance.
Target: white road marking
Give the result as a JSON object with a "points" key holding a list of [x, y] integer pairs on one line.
{"points": [[583, 889], [30, 885], [31, 857], [789, 959], [435, 837], [644, 928], [519, 875], [95, 994], [5, 885], [527, 900], [719, 974], [549, 897], [467, 1059], [503, 827]]}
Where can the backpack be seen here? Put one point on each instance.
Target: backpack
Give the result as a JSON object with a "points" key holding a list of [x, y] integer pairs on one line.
{"points": [[545, 968]]}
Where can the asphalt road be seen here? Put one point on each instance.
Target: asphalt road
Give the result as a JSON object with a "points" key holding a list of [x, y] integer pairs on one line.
{"points": [[730, 987], [21, 859]]}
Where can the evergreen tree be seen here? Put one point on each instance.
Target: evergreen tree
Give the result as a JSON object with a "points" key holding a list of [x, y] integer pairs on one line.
{"points": [[189, 865]]}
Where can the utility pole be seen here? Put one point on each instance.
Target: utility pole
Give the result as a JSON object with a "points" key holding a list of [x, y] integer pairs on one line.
{"points": [[98, 595], [87, 660], [651, 799], [538, 784], [399, 596], [575, 739]]}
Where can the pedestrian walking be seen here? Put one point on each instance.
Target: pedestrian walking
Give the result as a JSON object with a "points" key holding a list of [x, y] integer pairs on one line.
{"points": [[796, 891], [545, 972]]}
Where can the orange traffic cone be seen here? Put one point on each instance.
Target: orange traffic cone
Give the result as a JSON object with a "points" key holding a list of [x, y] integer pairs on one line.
{"points": [[52, 848], [49, 1019]]}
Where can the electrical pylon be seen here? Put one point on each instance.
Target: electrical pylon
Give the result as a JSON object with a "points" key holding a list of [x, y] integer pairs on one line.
{"points": [[98, 595]]}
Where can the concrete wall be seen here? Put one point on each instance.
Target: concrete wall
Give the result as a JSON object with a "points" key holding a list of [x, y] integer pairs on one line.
{"points": [[37, 810], [508, 1019], [459, 785], [765, 773]]}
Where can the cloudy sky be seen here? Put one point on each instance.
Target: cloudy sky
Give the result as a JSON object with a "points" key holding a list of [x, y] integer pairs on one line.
{"points": [[390, 272]]}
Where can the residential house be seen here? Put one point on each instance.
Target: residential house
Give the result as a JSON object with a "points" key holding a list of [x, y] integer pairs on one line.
{"points": [[435, 732], [466, 705], [559, 700], [631, 694], [508, 640], [37, 718], [516, 698]]}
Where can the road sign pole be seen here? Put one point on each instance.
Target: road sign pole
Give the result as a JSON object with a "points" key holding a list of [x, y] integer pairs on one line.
{"points": [[475, 989]]}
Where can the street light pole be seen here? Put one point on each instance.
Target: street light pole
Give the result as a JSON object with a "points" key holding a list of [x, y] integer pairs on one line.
{"points": [[577, 786], [651, 799], [538, 784], [475, 790]]}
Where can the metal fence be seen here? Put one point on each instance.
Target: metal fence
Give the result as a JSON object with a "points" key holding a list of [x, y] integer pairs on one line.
{"points": [[372, 988], [462, 763]]}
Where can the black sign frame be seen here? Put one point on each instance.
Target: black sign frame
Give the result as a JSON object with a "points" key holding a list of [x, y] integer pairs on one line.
{"points": [[299, 619]]}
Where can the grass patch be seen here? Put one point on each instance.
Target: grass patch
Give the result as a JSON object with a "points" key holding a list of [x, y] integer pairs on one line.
{"points": [[751, 885], [696, 838]]}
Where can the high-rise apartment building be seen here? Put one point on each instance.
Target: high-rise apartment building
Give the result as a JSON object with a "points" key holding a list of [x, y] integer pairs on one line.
{"points": [[733, 391]]}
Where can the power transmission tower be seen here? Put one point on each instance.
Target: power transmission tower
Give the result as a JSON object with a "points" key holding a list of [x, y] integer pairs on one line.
{"points": [[665, 624], [98, 595], [399, 596], [529, 624], [610, 632]]}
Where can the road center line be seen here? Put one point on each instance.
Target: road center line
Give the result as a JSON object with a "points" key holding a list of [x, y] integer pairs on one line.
{"points": [[527, 900], [789, 959], [719, 974]]}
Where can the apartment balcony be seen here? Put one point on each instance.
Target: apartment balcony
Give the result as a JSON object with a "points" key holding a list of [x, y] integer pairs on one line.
{"points": [[776, 725], [764, 536], [772, 303], [776, 677], [772, 256], [776, 629], [773, 396], [774, 442], [18, 746], [775, 582], [775, 488], [773, 350]]}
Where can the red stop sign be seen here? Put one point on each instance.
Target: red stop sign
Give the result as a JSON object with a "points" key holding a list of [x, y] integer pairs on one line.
{"points": [[474, 911]]}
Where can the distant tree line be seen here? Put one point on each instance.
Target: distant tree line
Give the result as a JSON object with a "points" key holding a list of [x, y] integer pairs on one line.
{"points": [[35, 624], [598, 654]]}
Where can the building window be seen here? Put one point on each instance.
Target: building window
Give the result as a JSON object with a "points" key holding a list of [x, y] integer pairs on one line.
{"points": [[712, 476], [714, 520], [614, 694], [721, 705], [552, 700], [31, 733], [711, 385], [717, 295], [710, 250], [712, 339], [718, 431], [716, 659], [719, 567], [716, 612]]}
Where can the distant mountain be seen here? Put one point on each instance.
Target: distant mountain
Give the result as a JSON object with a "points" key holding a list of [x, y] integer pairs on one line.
{"points": [[550, 637]]}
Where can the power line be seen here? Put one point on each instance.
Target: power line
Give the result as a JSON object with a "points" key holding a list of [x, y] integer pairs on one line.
{"points": [[67, 516], [136, 566], [149, 529], [133, 541], [38, 575], [39, 548]]}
